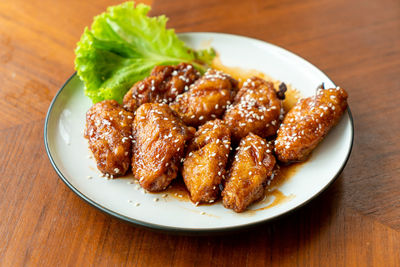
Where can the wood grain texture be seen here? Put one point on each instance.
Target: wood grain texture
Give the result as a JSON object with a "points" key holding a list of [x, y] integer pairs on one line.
{"points": [[356, 222]]}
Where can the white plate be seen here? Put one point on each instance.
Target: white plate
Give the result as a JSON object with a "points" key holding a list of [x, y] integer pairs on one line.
{"points": [[68, 150]]}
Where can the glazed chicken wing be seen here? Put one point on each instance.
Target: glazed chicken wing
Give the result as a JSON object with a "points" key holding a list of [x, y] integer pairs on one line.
{"points": [[159, 139], [307, 123], [206, 99], [252, 166], [108, 130], [256, 109], [205, 161], [163, 85]]}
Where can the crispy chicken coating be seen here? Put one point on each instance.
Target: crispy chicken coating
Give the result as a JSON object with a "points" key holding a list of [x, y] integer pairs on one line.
{"points": [[308, 122], [205, 161], [256, 109], [206, 99], [163, 85], [108, 130], [252, 166], [159, 139]]}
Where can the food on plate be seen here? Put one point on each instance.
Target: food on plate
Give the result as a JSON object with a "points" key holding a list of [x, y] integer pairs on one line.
{"points": [[123, 45], [308, 122], [205, 162], [169, 95], [256, 109], [206, 99], [109, 132], [159, 139], [251, 168], [163, 85], [164, 145]]}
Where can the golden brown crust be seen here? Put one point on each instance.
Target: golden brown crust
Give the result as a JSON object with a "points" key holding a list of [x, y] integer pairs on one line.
{"points": [[205, 161], [108, 130], [159, 139], [256, 109], [163, 85], [206, 99], [307, 123], [252, 166]]}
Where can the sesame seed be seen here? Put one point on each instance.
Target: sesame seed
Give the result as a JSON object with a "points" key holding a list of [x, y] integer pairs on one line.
{"points": [[89, 177], [202, 213], [137, 204], [156, 199]]}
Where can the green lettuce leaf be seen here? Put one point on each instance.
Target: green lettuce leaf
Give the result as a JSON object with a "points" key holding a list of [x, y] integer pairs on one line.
{"points": [[122, 47]]}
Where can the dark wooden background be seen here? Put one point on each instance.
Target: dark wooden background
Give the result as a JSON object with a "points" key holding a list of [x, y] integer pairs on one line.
{"points": [[356, 222]]}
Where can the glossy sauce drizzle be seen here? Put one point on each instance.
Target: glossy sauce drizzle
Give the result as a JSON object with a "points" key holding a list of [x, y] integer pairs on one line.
{"points": [[177, 189], [283, 174]]}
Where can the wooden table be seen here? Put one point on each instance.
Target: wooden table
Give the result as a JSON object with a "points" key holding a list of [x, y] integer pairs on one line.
{"points": [[355, 222]]}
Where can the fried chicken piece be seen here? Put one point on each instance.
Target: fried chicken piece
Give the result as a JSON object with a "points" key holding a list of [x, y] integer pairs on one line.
{"points": [[256, 109], [108, 130], [308, 122], [163, 85], [159, 139], [205, 161], [206, 99], [252, 166]]}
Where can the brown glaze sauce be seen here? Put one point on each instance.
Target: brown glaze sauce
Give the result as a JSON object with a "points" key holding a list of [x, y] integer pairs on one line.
{"points": [[283, 174], [177, 189]]}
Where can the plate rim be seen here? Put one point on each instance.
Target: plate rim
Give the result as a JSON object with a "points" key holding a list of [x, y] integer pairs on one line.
{"points": [[177, 230]]}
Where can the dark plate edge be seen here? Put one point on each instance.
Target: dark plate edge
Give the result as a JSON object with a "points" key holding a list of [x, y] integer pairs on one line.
{"points": [[177, 230]]}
